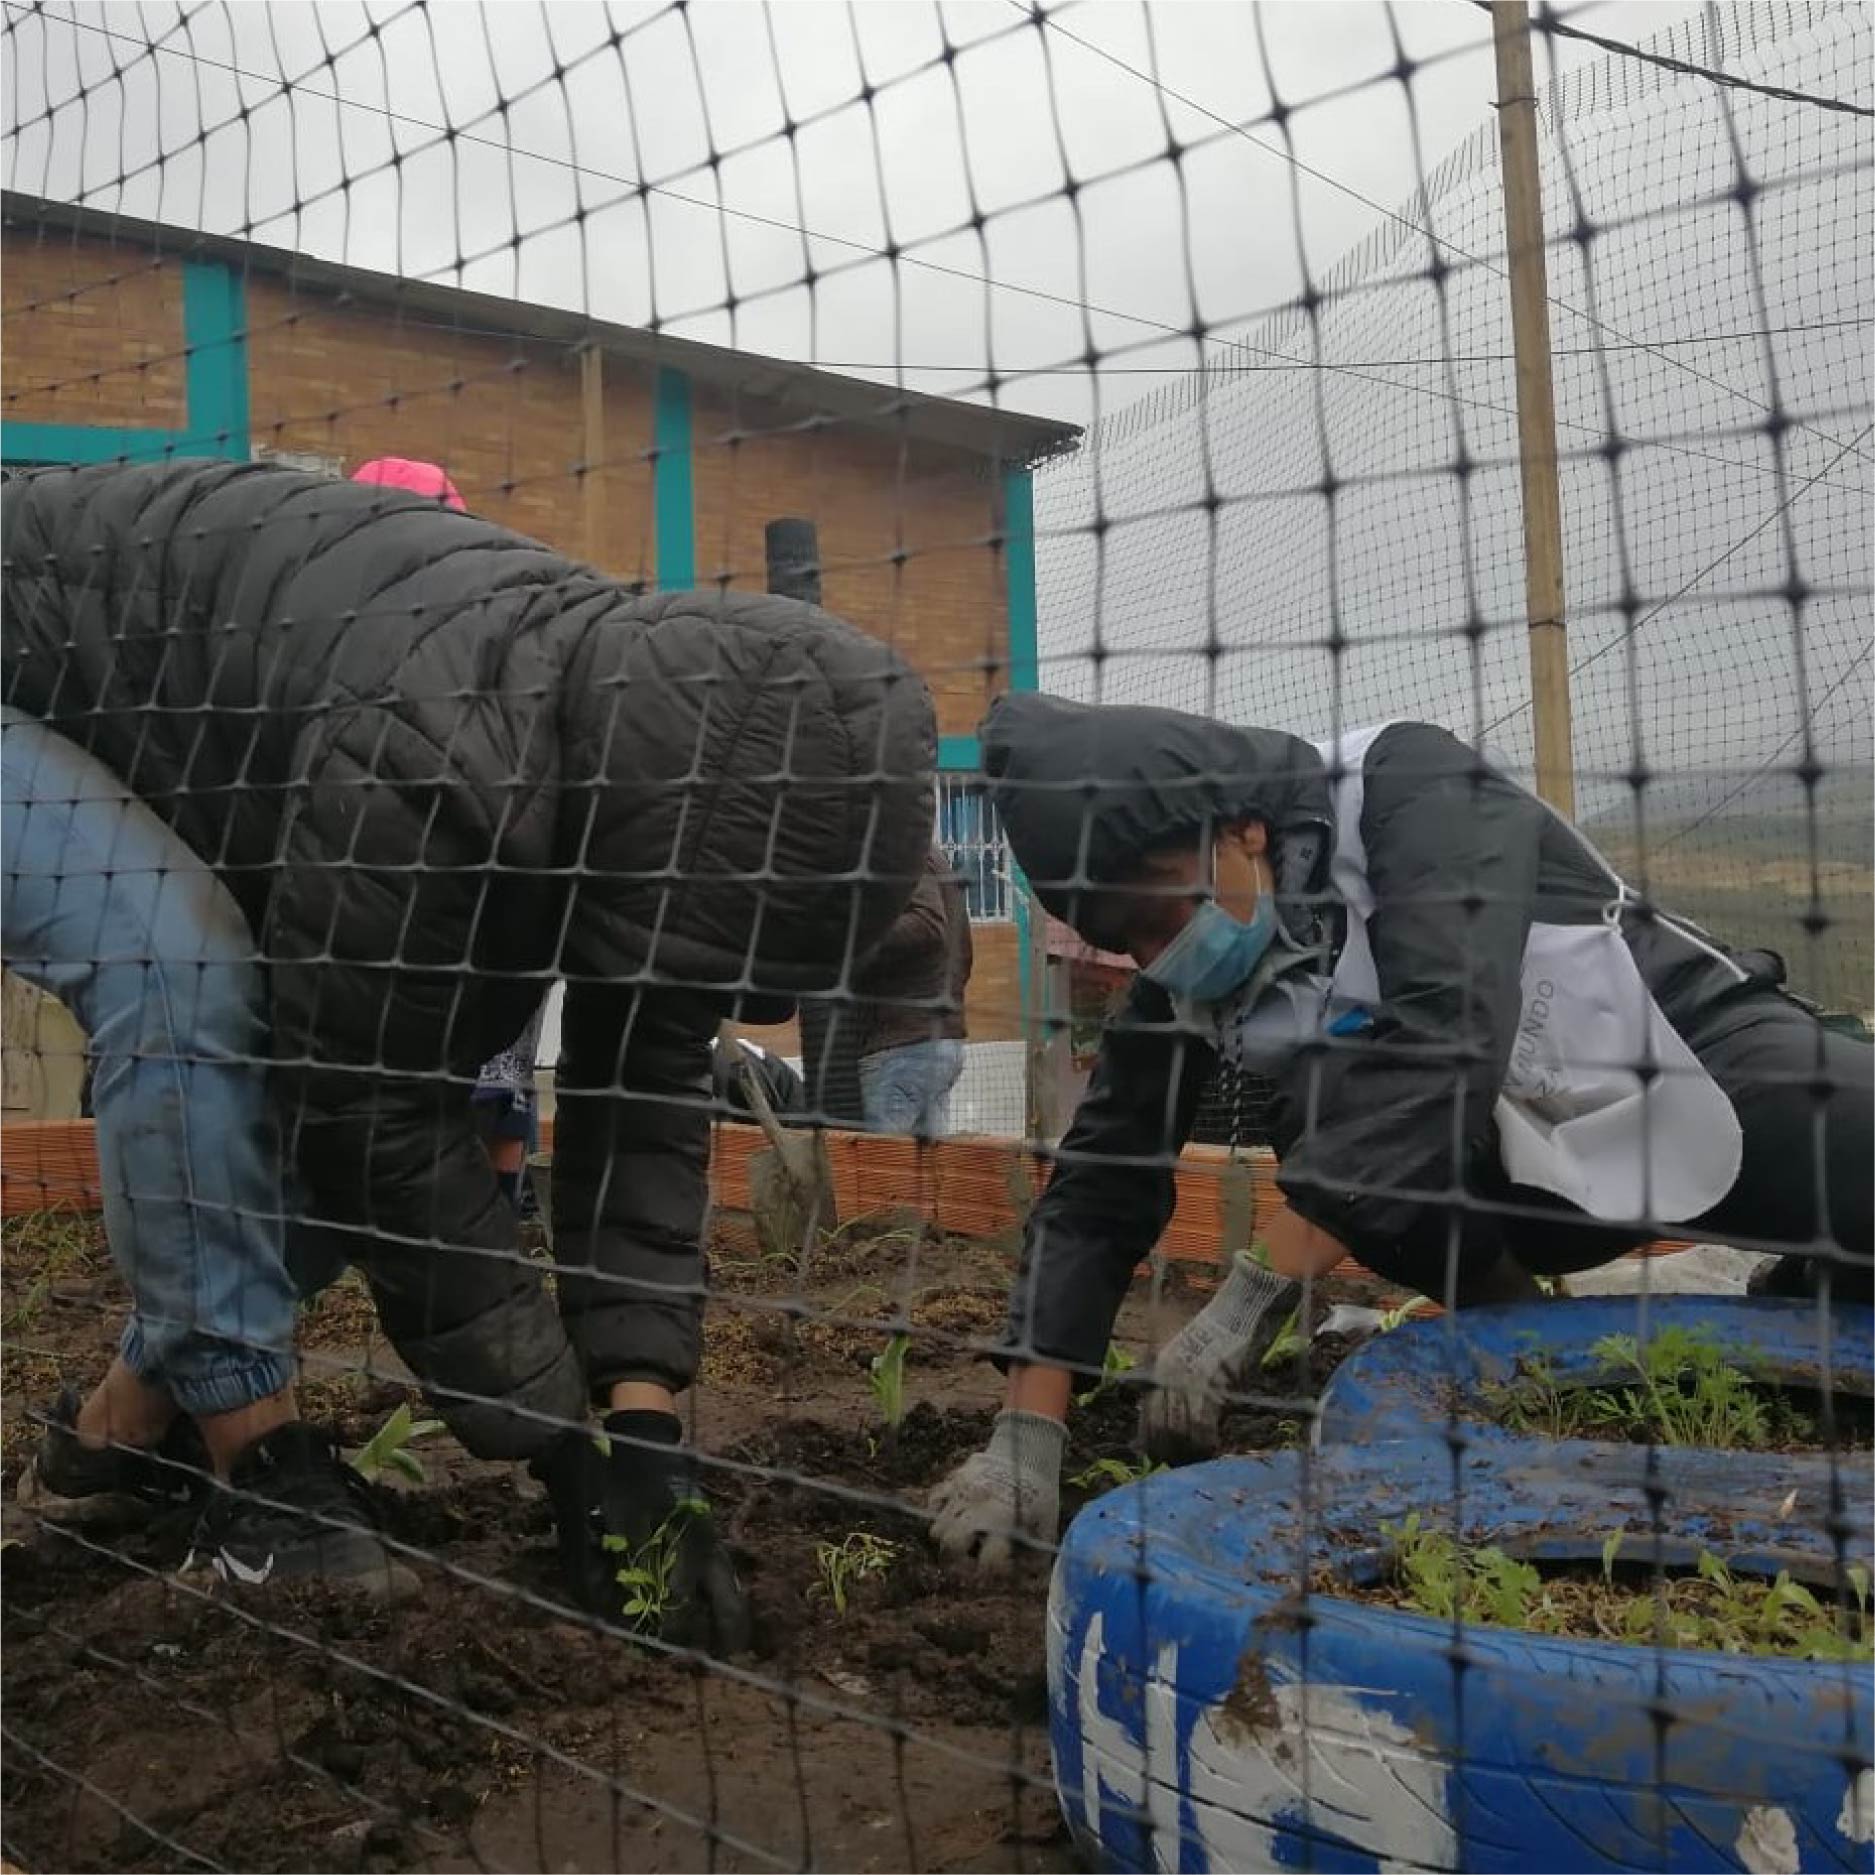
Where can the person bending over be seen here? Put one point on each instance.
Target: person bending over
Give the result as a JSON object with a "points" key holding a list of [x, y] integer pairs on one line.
{"points": [[310, 788], [1492, 1057]]}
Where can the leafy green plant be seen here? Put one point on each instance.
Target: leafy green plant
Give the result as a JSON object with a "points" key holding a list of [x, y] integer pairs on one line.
{"points": [[1390, 1319], [1442, 1578], [645, 1574], [1710, 1609], [1108, 1473], [859, 1556], [388, 1449], [1115, 1362], [1679, 1388], [885, 1374], [1290, 1341]]}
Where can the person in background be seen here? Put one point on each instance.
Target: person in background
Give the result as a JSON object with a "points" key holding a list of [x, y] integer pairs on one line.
{"points": [[1492, 1057], [506, 1099], [308, 788], [910, 995]]}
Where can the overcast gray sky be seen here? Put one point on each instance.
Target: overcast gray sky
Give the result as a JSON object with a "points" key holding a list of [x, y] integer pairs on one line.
{"points": [[346, 152], [1026, 186]]}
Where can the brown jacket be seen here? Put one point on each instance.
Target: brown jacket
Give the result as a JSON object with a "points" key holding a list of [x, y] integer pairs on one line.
{"points": [[912, 986]]}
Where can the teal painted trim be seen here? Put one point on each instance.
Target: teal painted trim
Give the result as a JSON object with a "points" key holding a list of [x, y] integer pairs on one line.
{"points": [[1019, 575], [673, 497], [957, 753], [1024, 668], [85, 443], [214, 330], [214, 327]]}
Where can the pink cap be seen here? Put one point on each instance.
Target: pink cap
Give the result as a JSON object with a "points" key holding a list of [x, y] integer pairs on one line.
{"points": [[417, 478]]}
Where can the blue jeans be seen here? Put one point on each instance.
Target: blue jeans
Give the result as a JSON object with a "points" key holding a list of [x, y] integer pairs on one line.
{"points": [[105, 908], [908, 1090]]}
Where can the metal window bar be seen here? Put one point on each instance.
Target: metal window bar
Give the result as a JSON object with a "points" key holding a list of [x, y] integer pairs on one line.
{"points": [[971, 834]]}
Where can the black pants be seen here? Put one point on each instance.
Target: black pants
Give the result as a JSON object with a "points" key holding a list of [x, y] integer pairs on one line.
{"points": [[1805, 1098]]}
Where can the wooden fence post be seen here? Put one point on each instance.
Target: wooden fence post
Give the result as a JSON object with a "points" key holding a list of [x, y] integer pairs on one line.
{"points": [[1536, 406]]}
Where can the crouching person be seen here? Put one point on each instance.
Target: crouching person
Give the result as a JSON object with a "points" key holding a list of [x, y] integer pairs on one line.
{"points": [[432, 765], [1492, 1058]]}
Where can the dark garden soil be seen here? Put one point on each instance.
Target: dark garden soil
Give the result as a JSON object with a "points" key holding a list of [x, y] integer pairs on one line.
{"points": [[150, 1727]]}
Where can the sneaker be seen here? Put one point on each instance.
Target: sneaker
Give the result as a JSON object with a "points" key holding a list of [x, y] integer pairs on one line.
{"points": [[293, 1510], [171, 1474]]}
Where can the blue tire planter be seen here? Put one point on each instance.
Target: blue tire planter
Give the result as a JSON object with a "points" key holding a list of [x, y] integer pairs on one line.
{"points": [[1412, 1382], [1205, 1716]]}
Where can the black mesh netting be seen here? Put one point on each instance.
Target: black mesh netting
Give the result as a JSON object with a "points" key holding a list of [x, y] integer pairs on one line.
{"points": [[662, 1209]]}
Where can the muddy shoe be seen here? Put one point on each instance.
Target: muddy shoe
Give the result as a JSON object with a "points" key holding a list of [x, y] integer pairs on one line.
{"points": [[294, 1511], [170, 1475]]}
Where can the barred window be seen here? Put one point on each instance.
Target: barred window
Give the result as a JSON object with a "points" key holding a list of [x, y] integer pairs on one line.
{"points": [[971, 834]]}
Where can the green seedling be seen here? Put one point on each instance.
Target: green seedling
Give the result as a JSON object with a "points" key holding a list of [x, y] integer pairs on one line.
{"points": [[1290, 1341], [388, 1449], [1479, 1585], [1390, 1319], [1115, 1362], [1108, 1473], [1712, 1609], [1679, 1388], [647, 1571], [857, 1557], [885, 1374]]}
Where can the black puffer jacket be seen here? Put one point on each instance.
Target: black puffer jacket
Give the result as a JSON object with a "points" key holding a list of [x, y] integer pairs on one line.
{"points": [[1379, 1139], [439, 765]]}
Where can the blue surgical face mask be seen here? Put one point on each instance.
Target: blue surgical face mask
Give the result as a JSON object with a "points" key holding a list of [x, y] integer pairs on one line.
{"points": [[1215, 953]]}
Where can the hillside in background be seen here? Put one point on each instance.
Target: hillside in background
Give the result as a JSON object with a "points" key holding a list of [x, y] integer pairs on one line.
{"points": [[1746, 869]]}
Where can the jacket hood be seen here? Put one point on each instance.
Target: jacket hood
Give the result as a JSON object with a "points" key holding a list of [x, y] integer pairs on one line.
{"points": [[749, 786], [1084, 790]]}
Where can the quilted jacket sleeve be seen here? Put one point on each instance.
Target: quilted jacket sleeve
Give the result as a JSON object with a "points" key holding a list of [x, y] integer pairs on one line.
{"points": [[1373, 1132], [1113, 1188]]}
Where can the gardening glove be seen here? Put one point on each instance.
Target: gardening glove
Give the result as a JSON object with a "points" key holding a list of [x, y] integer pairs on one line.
{"points": [[1012, 1486], [1210, 1359], [638, 1543]]}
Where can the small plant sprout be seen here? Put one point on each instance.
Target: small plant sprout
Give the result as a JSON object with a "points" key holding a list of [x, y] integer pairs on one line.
{"points": [[1290, 1341], [1115, 1362], [388, 1449], [1709, 1607], [885, 1374], [859, 1556], [1610, 1550], [1390, 1319], [1108, 1473], [645, 1574], [1679, 1388]]}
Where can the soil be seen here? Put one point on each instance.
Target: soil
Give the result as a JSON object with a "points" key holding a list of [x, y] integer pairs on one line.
{"points": [[149, 1726]]}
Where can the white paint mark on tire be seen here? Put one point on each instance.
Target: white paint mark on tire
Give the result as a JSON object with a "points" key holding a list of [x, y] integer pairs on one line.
{"points": [[1368, 1781], [1767, 1844], [1857, 1820]]}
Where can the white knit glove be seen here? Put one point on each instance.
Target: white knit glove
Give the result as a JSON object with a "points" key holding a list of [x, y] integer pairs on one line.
{"points": [[1212, 1357], [1012, 1486]]}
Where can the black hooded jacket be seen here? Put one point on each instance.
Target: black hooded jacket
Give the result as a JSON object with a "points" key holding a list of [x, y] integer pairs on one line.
{"points": [[1376, 1135], [440, 765]]}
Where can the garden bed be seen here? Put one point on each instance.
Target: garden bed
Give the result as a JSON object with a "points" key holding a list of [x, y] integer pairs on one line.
{"points": [[478, 1726], [1681, 1386], [1704, 1603], [1732, 1373]]}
